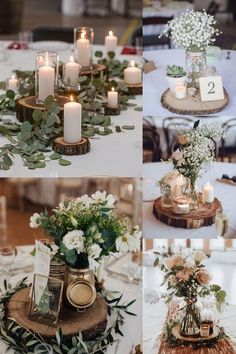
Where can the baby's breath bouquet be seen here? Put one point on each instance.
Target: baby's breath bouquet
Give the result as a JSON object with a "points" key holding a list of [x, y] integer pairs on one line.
{"points": [[87, 229]]}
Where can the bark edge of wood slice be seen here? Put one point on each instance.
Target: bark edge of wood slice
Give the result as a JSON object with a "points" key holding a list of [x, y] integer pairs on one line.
{"points": [[195, 219], [70, 149], [192, 105], [135, 90], [25, 107], [91, 322]]}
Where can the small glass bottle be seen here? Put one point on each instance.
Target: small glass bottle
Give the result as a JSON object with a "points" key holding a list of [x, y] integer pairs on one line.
{"points": [[83, 42]]}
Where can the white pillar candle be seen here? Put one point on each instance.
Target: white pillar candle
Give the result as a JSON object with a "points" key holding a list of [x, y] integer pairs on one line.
{"points": [[71, 72], [112, 98], [111, 42], [72, 122], [100, 271], [132, 75], [180, 91], [13, 83], [208, 193], [83, 50], [46, 81]]}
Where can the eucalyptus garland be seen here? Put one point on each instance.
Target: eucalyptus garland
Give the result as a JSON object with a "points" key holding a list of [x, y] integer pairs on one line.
{"points": [[23, 340]]}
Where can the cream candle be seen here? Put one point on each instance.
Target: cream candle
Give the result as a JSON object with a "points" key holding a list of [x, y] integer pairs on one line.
{"points": [[208, 193], [72, 122], [13, 83], [100, 271], [83, 50], [132, 74], [180, 91], [46, 81], [71, 72], [112, 98], [111, 42]]}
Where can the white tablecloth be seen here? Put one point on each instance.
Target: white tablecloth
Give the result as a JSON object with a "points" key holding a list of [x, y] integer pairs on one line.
{"points": [[155, 312], [155, 82], [133, 324], [118, 154], [153, 228]]}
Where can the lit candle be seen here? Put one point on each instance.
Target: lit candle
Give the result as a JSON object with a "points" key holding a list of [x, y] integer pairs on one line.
{"points": [[83, 50], [71, 72], [132, 75], [13, 83], [112, 98], [208, 193], [72, 122], [46, 81], [111, 42], [180, 91], [204, 330]]}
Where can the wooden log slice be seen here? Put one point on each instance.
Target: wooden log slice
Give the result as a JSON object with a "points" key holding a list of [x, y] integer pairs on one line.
{"points": [[81, 148], [134, 90], [203, 216], [26, 105], [96, 68], [109, 111], [192, 105], [91, 322]]}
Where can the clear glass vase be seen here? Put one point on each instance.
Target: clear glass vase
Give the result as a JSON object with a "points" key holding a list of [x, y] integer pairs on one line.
{"points": [[195, 67], [166, 201], [191, 322], [83, 42]]}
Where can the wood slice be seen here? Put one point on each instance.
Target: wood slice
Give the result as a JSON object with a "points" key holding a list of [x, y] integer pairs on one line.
{"points": [[96, 68], [203, 216], [91, 322], [81, 148], [109, 111], [176, 333], [192, 105], [135, 90], [26, 105]]}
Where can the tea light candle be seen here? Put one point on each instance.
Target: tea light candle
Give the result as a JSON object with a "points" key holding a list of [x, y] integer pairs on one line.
{"points": [[208, 193], [191, 91], [83, 50], [72, 122], [71, 72], [111, 42], [132, 74], [180, 91], [204, 330], [13, 83], [112, 98], [46, 81], [182, 205]]}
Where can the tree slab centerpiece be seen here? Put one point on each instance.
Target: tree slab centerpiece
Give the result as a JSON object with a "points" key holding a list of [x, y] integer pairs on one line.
{"points": [[25, 107], [69, 149], [135, 90], [203, 216]]}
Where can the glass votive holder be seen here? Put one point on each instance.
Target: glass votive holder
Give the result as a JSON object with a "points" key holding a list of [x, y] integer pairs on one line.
{"points": [[12, 83], [46, 75], [83, 42], [71, 71]]}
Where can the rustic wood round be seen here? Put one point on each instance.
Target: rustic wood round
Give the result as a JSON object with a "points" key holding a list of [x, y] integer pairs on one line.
{"points": [[192, 105], [26, 105], [91, 322], [69, 149], [203, 216], [135, 89], [176, 334], [96, 68]]}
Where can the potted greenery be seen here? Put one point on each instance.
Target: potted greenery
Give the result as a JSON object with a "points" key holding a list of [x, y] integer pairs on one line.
{"points": [[175, 74]]}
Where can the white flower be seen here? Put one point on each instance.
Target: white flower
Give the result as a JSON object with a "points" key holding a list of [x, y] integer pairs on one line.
{"points": [[136, 232], [101, 197], [199, 256], [74, 240], [85, 200], [172, 280], [189, 263], [127, 243], [94, 251], [35, 221]]}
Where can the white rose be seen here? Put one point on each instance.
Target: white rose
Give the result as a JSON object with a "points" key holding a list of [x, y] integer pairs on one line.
{"points": [[94, 251], [85, 200], [199, 256], [172, 280], [35, 221], [74, 240]]}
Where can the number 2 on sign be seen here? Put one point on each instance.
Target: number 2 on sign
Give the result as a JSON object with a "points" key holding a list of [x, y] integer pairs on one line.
{"points": [[211, 85]]}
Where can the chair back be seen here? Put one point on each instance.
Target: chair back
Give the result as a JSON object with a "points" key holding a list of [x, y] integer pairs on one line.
{"points": [[153, 39], [53, 34], [151, 141], [228, 149]]}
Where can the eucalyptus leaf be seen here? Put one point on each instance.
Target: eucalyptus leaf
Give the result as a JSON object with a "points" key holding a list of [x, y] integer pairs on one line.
{"points": [[64, 162], [128, 127]]}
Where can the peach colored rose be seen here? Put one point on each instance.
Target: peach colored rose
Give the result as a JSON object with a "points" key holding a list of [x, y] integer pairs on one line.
{"points": [[199, 256], [177, 155], [203, 277], [168, 263], [184, 274], [182, 139], [178, 261]]}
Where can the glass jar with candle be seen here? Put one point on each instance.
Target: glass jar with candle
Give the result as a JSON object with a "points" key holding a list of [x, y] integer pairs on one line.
{"points": [[46, 75], [71, 75], [83, 42], [208, 318]]}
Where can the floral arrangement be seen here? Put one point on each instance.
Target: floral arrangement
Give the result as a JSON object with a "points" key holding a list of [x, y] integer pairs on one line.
{"points": [[167, 182], [197, 150], [87, 229], [188, 277], [193, 30]]}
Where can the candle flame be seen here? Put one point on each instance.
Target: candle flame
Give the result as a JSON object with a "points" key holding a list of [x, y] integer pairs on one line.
{"points": [[83, 35], [13, 77], [113, 89], [132, 63], [110, 33], [72, 59], [71, 98]]}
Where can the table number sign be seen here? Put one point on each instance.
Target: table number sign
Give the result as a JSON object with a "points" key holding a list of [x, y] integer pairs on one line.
{"points": [[211, 88]]}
